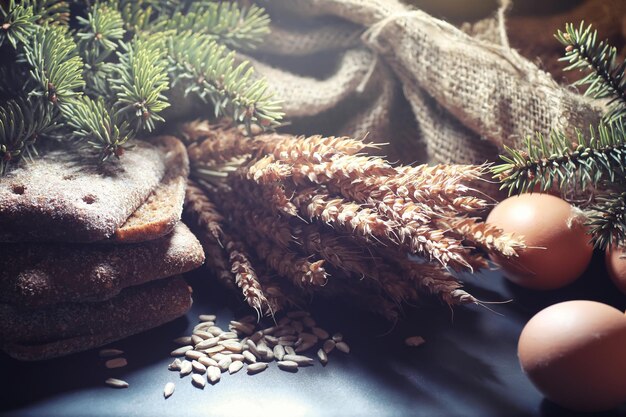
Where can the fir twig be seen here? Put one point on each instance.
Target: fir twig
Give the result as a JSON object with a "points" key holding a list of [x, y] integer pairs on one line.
{"points": [[17, 24], [606, 78], [607, 220]]}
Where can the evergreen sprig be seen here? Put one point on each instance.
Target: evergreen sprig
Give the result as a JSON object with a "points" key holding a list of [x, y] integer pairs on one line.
{"points": [[606, 76], [102, 28], [559, 160], [18, 24], [607, 219], [142, 81], [21, 123], [208, 69], [226, 23], [52, 12]]}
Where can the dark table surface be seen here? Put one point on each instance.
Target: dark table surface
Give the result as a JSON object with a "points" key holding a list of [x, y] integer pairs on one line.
{"points": [[467, 367]]}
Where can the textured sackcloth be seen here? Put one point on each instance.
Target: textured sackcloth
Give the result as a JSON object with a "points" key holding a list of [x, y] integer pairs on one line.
{"points": [[434, 92]]}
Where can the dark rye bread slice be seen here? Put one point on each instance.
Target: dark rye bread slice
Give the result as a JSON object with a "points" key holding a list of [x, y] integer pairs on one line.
{"points": [[158, 215], [64, 195], [34, 275], [74, 327]]}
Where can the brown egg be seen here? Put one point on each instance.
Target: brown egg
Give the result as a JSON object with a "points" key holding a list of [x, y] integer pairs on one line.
{"points": [[558, 249], [615, 260], [573, 352]]}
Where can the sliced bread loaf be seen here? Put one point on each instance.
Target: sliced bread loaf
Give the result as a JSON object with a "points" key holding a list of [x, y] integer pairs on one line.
{"points": [[74, 327], [34, 275], [64, 195]]}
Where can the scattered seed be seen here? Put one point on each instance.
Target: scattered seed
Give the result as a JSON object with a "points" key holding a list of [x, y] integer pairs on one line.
{"points": [[198, 367], [224, 364], [206, 361], [255, 368], [116, 363], [320, 333], [299, 359], [329, 345], [343, 347], [219, 356], [269, 330], [198, 380], [290, 366], [236, 356], [202, 327], [116, 383], [194, 354], [252, 347], [289, 350], [228, 336], [414, 341], [308, 321], [214, 350], [169, 389], [290, 338], [297, 326], [270, 339], [207, 317], [215, 330], [232, 346], [208, 343], [185, 368], [204, 335], [183, 341], [174, 366], [249, 356], [213, 374], [337, 337], [279, 352], [107, 353], [245, 328], [305, 346], [256, 336], [234, 367], [181, 350], [322, 356]]}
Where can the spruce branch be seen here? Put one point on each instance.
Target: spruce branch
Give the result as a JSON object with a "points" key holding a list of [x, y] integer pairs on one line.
{"points": [[56, 67], [224, 22], [51, 12], [18, 24], [607, 220], [101, 30], [208, 69], [99, 127], [22, 122], [606, 78], [136, 14], [581, 163], [143, 79]]}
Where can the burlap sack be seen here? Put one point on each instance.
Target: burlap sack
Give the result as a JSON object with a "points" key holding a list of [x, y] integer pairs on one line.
{"points": [[358, 66]]}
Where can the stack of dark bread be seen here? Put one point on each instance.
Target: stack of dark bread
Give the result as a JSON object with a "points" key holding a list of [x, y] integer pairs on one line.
{"points": [[91, 253]]}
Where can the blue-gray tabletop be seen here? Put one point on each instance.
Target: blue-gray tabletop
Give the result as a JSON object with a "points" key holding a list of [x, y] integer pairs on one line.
{"points": [[467, 367]]}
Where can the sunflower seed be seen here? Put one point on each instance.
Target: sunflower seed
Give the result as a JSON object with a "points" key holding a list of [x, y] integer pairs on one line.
{"points": [[224, 364], [255, 368], [337, 337], [194, 354], [206, 361], [174, 366], [329, 345], [252, 348], [183, 341], [198, 367], [284, 321], [320, 333], [289, 350], [245, 328], [198, 380], [228, 336], [195, 339], [204, 335], [256, 336], [116, 383], [279, 352], [284, 331], [202, 327], [219, 356], [185, 368], [343, 347], [215, 349], [207, 343], [235, 367], [215, 330], [323, 357], [248, 319], [308, 321], [249, 356], [269, 330], [297, 326], [107, 353], [181, 350], [271, 340], [169, 389], [213, 374], [207, 317], [232, 345], [116, 363], [290, 366], [299, 359], [414, 341], [305, 346], [236, 356], [297, 314]]}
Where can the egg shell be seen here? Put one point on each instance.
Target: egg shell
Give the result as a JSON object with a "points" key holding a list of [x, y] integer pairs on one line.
{"points": [[558, 247], [615, 260], [574, 353]]}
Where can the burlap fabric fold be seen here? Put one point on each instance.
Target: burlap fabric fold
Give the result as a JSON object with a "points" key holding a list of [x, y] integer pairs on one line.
{"points": [[434, 92]]}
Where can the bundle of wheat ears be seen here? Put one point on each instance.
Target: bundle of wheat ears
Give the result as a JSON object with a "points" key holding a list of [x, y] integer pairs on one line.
{"points": [[285, 218]]}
